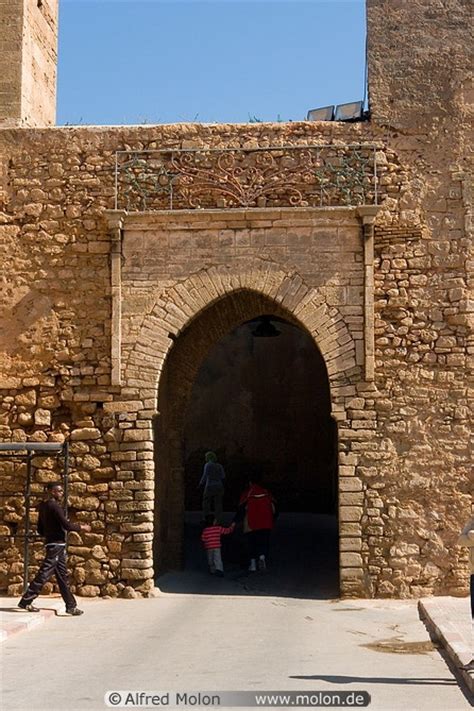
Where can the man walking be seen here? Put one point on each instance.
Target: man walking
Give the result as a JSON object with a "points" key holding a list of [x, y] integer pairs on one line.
{"points": [[53, 524]]}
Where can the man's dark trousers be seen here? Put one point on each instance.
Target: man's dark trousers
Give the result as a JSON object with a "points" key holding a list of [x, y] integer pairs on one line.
{"points": [[54, 563]]}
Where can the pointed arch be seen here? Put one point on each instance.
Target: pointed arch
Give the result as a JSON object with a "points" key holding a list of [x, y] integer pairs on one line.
{"points": [[180, 325], [177, 307]]}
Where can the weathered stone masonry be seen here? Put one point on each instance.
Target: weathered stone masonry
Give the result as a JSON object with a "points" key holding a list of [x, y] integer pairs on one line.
{"points": [[90, 296]]}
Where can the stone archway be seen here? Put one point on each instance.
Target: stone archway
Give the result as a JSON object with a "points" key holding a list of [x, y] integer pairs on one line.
{"points": [[179, 325], [177, 307], [174, 392], [174, 339]]}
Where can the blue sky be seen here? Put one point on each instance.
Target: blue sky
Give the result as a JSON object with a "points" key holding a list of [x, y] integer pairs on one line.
{"points": [[158, 61]]}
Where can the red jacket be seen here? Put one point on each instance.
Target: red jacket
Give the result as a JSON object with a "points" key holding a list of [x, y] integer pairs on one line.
{"points": [[259, 508]]}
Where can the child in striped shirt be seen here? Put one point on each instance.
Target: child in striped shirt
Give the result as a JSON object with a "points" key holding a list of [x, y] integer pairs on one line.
{"points": [[211, 538]]}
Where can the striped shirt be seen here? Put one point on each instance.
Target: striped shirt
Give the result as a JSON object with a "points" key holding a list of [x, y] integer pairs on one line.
{"points": [[211, 536]]}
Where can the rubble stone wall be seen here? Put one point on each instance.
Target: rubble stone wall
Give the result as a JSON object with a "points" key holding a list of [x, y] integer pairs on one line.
{"points": [[403, 463]]}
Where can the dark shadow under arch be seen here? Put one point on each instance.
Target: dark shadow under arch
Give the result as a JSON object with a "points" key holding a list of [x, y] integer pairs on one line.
{"points": [[262, 403], [186, 357]]}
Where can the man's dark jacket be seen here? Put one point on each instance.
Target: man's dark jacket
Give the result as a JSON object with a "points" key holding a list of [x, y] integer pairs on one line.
{"points": [[52, 523]]}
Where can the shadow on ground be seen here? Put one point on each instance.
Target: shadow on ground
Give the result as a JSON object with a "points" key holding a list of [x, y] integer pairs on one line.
{"points": [[337, 679], [19, 611], [303, 561]]}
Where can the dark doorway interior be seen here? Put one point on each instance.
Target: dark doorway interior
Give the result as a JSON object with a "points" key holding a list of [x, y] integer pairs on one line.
{"points": [[261, 401]]}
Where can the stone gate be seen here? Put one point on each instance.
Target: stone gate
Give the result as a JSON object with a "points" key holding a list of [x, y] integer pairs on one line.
{"points": [[127, 251]]}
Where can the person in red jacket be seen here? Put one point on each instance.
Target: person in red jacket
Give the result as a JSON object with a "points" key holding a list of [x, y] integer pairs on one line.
{"points": [[259, 518]]}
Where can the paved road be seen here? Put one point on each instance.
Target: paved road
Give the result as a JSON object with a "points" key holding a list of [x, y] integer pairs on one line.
{"points": [[210, 641], [244, 632]]}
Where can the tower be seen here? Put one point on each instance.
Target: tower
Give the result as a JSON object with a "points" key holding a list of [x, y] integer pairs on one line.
{"points": [[419, 61], [28, 62]]}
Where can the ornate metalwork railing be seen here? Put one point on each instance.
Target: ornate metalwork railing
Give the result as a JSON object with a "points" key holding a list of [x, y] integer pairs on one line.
{"points": [[289, 176]]}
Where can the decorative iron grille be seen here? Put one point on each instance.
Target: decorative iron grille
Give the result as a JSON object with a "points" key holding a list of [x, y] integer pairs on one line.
{"points": [[290, 176]]}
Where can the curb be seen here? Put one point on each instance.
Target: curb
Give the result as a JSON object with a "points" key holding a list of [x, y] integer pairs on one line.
{"points": [[12, 623], [454, 643]]}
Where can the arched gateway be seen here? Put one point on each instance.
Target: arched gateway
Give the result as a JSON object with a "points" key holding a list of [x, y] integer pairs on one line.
{"points": [[167, 328], [207, 225], [174, 393]]}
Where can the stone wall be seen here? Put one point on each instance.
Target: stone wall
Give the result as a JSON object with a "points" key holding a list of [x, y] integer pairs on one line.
{"points": [[422, 357], [404, 466]]}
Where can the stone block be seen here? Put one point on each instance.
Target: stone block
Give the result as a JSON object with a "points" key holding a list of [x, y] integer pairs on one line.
{"points": [[350, 544], [85, 433], [25, 419], [26, 397], [137, 563], [130, 456], [348, 528], [109, 590], [103, 473], [89, 591], [355, 403], [136, 527], [351, 498], [42, 417], [351, 483], [125, 406], [136, 573], [350, 513], [99, 553], [95, 577], [350, 560], [84, 503], [348, 574], [90, 462], [346, 470], [139, 435]]}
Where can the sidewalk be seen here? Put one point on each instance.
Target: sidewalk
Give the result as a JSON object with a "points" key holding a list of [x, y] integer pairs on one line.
{"points": [[448, 619], [13, 620]]}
